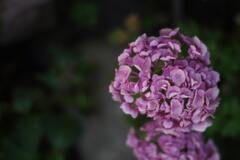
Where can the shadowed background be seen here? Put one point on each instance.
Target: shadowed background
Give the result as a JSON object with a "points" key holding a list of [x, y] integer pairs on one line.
{"points": [[58, 58]]}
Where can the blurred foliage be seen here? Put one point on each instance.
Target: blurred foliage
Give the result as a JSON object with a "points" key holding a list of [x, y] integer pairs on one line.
{"points": [[84, 14], [69, 80], [130, 29], [133, 25], [118, 36], [43, 121], [137, 122]]}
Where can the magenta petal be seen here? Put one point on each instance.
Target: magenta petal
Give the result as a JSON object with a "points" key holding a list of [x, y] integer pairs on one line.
{"points": [[155, 57], [184, 123], [212, 151], [127, 108], [123, 73], [172, 91], [123, 57], [153, 43], [196, 117], [200, 45], [128, 98], [165, 107], [212, 93], [176, 107], [144, 53], [178, 76], [141, 105], [115, 94], [201, 127], [186, 93], [167, 124], [215, 76], [132, 139], [168, 32], [198, 100], [152, 108]]}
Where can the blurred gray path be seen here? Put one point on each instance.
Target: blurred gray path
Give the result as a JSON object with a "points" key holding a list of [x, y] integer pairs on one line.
{"points": [[105, 133]]}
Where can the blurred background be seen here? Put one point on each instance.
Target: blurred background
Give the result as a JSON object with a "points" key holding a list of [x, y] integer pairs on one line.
{"points": [[58, 58]]}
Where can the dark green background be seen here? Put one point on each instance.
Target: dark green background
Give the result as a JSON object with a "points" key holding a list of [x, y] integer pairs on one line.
{"points": [[48, 88]]}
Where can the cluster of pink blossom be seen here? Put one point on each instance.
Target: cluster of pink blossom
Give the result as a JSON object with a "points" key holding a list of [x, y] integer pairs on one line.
{"points": [[169, 80], [155, 79], [183, 146]]}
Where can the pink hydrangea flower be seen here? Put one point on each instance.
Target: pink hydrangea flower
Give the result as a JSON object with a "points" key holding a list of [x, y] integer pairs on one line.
{"points": [[155, 79], [181, 146]]}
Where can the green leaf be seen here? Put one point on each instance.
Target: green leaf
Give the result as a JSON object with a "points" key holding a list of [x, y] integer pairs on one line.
{"points": [[24, 99], [55, 155], [137, 122], [62, 130], [23, 142], [28, 132], [84, 14]]}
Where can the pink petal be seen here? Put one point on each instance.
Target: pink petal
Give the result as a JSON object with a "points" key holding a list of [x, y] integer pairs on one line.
{"points": [[212, 93], [141, 105], [198, 100], [176, 107], [129, 110], [178, 76], [167, 124], [172, 91], [128, 98], [201, 127]]}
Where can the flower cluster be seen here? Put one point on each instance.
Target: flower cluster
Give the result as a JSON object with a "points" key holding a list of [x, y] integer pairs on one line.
{"points": [[182, 146], [169, 80], [156, 79]]}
